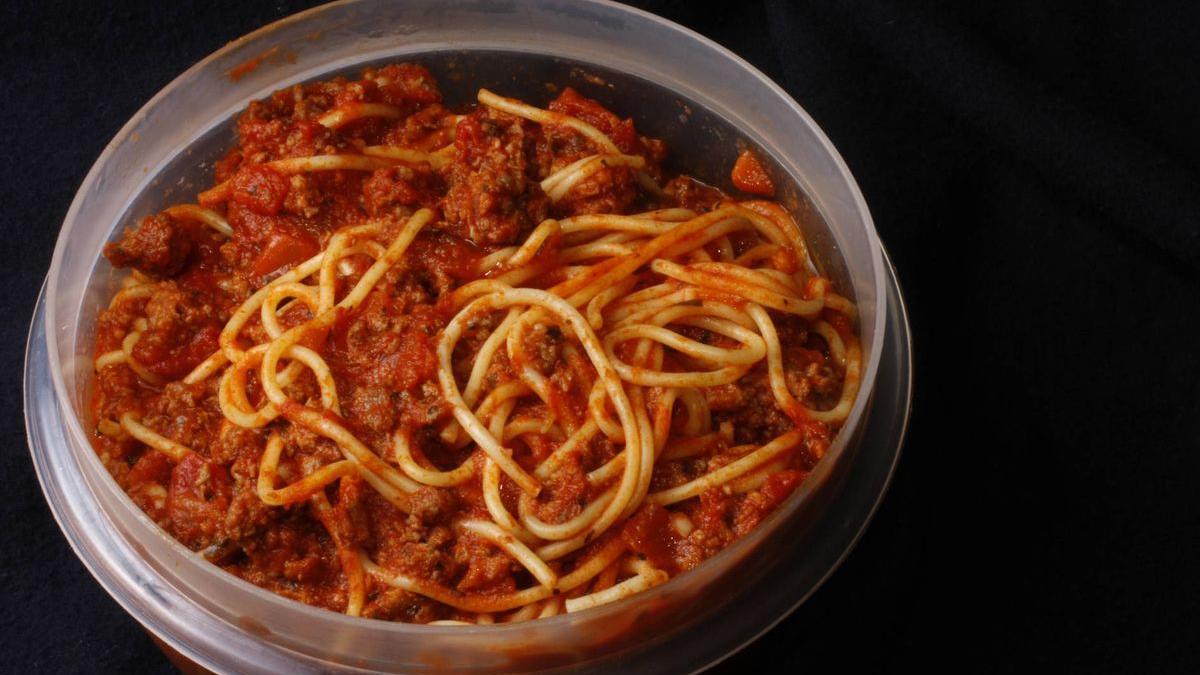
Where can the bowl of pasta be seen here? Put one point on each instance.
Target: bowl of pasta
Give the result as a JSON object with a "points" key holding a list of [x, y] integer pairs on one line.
{"points": [[490, 337]]}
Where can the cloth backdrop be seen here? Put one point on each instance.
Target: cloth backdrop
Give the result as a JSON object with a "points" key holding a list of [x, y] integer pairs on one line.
{"points": [[1032, 170]]}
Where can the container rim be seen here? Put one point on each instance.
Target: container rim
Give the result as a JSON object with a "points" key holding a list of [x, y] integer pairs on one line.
{"points": [[73, 220]]}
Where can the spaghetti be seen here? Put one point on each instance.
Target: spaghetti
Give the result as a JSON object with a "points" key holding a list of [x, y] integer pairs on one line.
{"points": [[422, 366]]}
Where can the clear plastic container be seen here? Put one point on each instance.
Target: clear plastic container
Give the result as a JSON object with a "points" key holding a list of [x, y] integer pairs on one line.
{"points": [[703, 100]]}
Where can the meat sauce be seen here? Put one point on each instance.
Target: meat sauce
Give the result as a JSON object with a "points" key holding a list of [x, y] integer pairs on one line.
{"points": [[382, 355]]}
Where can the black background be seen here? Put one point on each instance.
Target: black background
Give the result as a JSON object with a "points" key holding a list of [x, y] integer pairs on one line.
{"points": [[1033, 172]]}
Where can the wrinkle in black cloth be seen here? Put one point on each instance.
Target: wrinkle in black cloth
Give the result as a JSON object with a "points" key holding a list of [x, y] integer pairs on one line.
{"points": [[1031, 168]]}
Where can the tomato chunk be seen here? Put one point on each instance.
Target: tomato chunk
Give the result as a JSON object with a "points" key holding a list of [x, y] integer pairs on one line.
{"points": [[750, 176], [283, 249]]}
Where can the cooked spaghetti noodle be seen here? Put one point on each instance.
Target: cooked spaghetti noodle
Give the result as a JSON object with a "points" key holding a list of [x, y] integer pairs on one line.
{"points": [[455, 369]]}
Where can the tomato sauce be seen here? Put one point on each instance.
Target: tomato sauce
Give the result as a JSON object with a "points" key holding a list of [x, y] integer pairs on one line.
{"points": [[383, 356]]}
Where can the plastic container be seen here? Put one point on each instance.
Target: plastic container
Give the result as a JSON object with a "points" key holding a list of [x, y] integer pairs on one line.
{"points": [[703, 100]]}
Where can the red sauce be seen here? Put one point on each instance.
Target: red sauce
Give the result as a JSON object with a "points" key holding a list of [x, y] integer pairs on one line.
{"points": [[260, 189], [414, 362], [250, 65], [649, 533], [621, 131], [455, 257], [382, 355], [282, 249], [171, 360], [199, 499]]}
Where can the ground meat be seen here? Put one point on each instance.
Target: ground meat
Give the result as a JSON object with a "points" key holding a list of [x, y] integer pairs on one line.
{"points": [[394, 604], [725, 397], [241, 450], [147, 481], [816, 383], [370, 407], [543, 346], [711, 533], [199, 498], [234, 441], [185, 414], [406, 85], [405, 543], [563, 496], [301, 443], [493, 196], [261, 189], [758, 504], [621, 131], [422, 406], [266, 139], [610, 190], [183, 327], [389, 344], [113, 323], [750, 406], [597, 453], [304, 197], [159, 246], [296, 559], [119, 391], [428, 129], [488, 570], [394, 189], [811, 374], [439, 262], [173, 306], [428, 504], [285, 125], [671, 474], [689, 193]]}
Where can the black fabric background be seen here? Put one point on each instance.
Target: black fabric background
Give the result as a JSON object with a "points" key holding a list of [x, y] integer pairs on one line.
{"points": [[1032, 170]]}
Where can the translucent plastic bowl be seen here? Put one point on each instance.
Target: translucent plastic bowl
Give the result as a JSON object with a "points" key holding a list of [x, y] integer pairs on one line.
{"points": [[703, 100]]}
